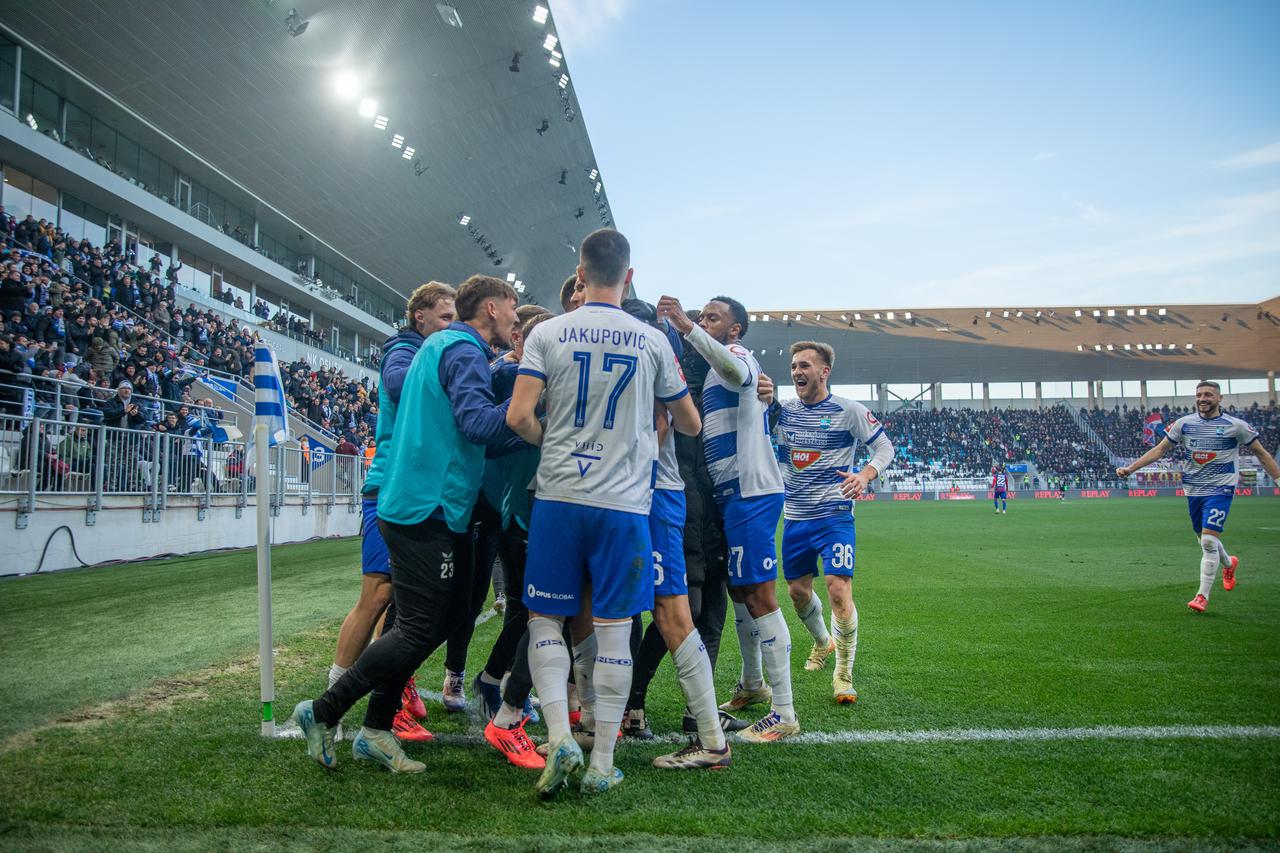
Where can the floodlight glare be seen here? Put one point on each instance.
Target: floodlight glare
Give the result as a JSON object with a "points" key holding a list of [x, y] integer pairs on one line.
{"points": [[368, 107], [380, 122], [408, 153], [1077, 312], [555, 63], [464, 220], [550, 42], [511, 276], [889, 316], [540, 14], [346, 84], [397, 140]]}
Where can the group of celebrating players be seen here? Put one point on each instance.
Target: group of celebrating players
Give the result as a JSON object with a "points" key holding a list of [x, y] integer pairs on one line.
{"points": [[554, 438], [571, 445]]}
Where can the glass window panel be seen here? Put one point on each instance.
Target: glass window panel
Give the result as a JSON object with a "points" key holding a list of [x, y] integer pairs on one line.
{"points": [[1248, 386], [78, 127], [26, 95], [71, 224], [17, 193], [1055, 391], [1161, 388], [45, 107], [44, 201], [168, 181], [148, 170], [1132, 389], [957, 391], [1005, 391], [1186, 387], [905, 390], [127, 156], [8, 68], [1080, 390], [103, 141]]}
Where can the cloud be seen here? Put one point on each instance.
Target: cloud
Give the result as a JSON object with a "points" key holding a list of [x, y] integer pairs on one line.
{"points": [[1041, 156], [583, 24], [1267, 155]]}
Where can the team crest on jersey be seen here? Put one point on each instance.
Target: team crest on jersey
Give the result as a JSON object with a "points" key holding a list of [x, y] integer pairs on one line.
{"points": [[802, 459], [871, 419], [1220, 431], [1201, 457], [824, 422]]}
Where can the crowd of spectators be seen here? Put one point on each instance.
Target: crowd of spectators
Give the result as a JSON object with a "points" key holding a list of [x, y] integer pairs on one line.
{"points": [[89, 330], [1121, 428], [934, 447]]}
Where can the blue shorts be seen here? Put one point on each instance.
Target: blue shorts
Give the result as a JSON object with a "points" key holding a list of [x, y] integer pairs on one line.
{"points": [[374, 559], [803, 542], [666, 530], [750, 528], [1000, 495], [1209, 512], [571, 545]]}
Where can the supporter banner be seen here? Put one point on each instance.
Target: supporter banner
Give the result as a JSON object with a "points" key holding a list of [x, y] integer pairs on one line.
{"points": [[1017, 468], [225, 387], [320, 452]]}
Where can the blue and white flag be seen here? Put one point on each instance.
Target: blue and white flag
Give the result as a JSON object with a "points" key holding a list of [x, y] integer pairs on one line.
{"points": [[269, 405]]}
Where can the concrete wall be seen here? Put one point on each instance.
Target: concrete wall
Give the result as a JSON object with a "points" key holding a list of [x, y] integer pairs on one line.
{"points": [[119, 532]]}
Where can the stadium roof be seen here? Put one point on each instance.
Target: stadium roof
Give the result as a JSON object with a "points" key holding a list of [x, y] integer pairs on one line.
{"points": [[997, 345], [229, 82]]}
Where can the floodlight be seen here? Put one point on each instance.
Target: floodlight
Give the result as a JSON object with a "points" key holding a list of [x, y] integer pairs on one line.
{"points": [[346, 84], [511, 276], [540, 14], [380, 122], [368, 107], [464, 220]]}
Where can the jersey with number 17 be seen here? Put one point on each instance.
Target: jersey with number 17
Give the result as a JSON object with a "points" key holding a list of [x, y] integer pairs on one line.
{"points": [[603, 370]]}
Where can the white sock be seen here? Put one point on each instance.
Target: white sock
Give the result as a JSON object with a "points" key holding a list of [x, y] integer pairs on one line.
{"points": [[812, 619], [612, 686], [693, 669], [1208, 563], [1223, 557], [775, 647], [584, 665], [336, 672], [846, 635], [509, 716], [549, 665], [749, 644]]}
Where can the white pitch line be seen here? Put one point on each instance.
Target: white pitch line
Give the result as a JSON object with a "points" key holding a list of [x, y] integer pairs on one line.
{"points": [[961, 735]]}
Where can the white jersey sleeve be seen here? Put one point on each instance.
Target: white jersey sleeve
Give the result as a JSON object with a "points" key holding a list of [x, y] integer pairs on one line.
{"points": [[735, 435]]}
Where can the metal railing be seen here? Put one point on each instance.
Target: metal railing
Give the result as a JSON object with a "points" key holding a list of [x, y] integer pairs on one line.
{"points": [[41, 457]]}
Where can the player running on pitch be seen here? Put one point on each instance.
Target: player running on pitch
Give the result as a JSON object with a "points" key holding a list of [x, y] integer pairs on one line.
{"points": [[817, 436], [589, 545], [1209, 474], [749, 495], [1000, 489]]}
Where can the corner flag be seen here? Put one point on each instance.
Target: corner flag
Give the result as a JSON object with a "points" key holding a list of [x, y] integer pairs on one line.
{"points": [[270, 427]]}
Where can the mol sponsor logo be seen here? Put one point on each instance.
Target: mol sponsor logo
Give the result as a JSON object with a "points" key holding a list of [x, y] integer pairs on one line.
{"points": [[908, 496], [1203, 457], [1142, 493], [804, 458], [1095, 493]]}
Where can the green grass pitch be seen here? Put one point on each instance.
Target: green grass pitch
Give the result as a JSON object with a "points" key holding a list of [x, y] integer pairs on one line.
{"points": [[129, 698]]}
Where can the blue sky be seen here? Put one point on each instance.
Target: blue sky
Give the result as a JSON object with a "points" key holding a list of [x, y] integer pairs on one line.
{"points": [[851, 154]]}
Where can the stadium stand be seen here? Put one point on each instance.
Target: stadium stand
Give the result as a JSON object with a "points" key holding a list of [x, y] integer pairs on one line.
{"points": [[78, 321], [1121, 427]]}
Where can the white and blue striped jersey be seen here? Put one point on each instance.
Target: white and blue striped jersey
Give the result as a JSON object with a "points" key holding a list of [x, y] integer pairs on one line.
{"points": [[668, 468], [735, 435], [815, 443], [603, 370], [1213, 446]]}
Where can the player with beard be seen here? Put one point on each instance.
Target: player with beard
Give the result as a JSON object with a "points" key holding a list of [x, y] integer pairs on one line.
{"points": [[749, 496], [1209, 476], [445, 419]]}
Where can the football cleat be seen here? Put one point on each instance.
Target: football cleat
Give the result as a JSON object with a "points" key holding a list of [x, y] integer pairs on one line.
{"points": [[575, 717], [531, 711], [563, 761], [635, 726], [595, 782], [490, 696], [1197, 604], [515, 746], [405, 727], [1229, 574], [818, 657], [455, 698], [500, 604], [842, 687], [411, 700], [744, 696], [319, 736], [728, 723], [694, 757], [383, 748], [769, 728]]}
